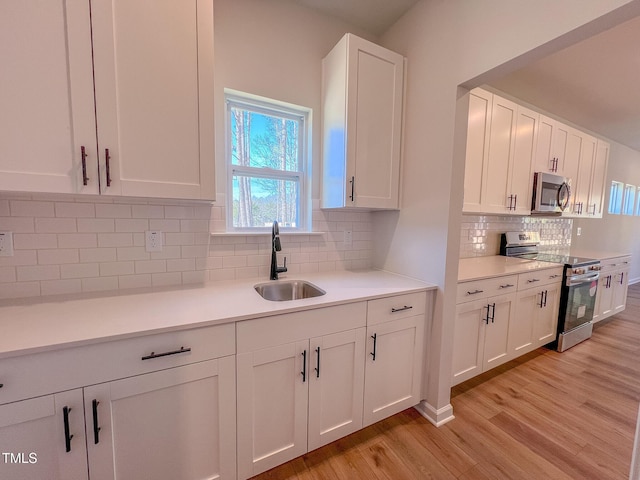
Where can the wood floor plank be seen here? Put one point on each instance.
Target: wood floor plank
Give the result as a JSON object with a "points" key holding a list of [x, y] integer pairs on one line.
{"points": [[569, 415]]}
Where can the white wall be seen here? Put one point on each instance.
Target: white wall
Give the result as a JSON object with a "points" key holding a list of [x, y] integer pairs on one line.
{"points": [[615, 233], [450, 43], [273, 49]]}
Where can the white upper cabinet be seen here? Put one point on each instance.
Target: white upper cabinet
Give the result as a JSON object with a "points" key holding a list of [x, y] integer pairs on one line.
{"points": [[595, 204], [501, 139], [362, 118], [46, 97], [153, 108]]}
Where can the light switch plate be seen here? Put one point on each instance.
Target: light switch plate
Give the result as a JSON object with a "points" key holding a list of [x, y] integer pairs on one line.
{"points": [[6, 244], [348, 237], [153, 241]]}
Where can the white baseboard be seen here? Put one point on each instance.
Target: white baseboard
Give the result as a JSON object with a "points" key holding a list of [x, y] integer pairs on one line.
{"points": [[634, 280], [436, 416]]}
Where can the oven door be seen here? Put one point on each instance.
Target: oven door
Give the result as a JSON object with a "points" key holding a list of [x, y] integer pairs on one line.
{"points": [[581, 300]]}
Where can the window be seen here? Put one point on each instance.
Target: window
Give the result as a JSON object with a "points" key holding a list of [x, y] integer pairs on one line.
{"points": [[638, 202], [615, 198], [266, 164], [629, 203]]}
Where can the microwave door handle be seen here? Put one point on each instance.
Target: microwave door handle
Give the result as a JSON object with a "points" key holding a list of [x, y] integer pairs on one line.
{"points": [[564, 193]]}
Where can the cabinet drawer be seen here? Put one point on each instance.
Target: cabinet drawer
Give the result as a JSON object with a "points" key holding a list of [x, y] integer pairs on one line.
{"points": [[477, 289], [616, 263], [539, 277], [49, 372], [393, 308]]}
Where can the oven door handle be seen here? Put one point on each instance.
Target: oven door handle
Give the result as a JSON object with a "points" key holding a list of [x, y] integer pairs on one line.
{"points": [[579, 281]]}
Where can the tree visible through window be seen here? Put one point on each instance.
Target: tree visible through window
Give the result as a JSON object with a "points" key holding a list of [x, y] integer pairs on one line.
{"points": [[266, 164]]}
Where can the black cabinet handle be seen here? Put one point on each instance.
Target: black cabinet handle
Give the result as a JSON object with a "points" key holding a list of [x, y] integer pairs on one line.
{"points": [[541, 304], [508, 285], [107, 158], [515, 201], [401, 309], [491, 313], [67, 435], [533, 280], [153, 355], [304, 366], [83, 154], [1, 385], [96, 427], [621, 277], [317, 362], [353, 183], [375, 341]]}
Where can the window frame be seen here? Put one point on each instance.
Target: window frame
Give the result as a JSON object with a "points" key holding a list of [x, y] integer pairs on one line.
{"points": [[302, 176], [616, 194]]}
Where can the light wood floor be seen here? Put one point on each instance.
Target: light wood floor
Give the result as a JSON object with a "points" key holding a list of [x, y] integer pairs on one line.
{"points": [[568, 415]]}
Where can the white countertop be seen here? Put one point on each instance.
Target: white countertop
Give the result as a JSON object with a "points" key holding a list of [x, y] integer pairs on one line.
{"points": [[33, 325], [477, 268], [596, 254]]}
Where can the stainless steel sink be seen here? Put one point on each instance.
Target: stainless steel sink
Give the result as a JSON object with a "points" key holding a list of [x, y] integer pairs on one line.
{"points": [[279, 291]]}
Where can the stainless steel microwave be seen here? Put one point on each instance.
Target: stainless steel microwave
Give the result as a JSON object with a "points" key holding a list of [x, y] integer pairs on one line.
{"points": [[551, 194]]}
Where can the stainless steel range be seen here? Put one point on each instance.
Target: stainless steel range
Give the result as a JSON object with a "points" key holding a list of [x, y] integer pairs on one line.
{"points": [[579, 285]]}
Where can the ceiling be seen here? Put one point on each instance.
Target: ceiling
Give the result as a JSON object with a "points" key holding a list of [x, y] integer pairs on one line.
{"points": [[374, 16], [594, 84]]}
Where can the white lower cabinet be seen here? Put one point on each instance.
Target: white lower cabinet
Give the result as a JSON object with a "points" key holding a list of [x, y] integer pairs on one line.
{"points": [[44, 437], [611, 296], [481, 335], [491, 329], [176, 421]]}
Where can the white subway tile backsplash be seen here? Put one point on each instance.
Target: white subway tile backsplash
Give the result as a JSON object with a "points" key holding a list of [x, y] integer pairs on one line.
{"points": [[27, 208], [32, 241], [113, 211], [77, 240], [75, 210], [38, 272], [96, 225], [61, 287], [74, 244], [58, 256]]}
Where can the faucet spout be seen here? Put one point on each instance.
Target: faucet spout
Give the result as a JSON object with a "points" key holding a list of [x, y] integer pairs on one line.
{"points": [[276, 247]]}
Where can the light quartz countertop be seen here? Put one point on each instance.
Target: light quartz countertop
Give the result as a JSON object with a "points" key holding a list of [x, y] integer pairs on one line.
{"points": [[477, 268], [597, 255], [35, 325]]}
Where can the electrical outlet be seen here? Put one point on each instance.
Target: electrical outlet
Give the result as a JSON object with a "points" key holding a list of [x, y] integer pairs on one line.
{"points": [[153, 241], [578, 231], [6, 244], [348, 237]]}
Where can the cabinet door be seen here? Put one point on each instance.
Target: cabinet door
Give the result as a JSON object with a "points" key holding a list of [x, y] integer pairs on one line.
{"points": [[478, 126], [154, 96], [544, 153], [468, 340], [46, 97], [336, 385], [605, 292], [33, 440], [272, 402], [175, 423], [620, 286], [527, 312], [598, 187], [496, 338], [559, 144], [393, 369], [582, 183], [572, 158], [501, 148], [374, 119], [520, 176], [545, 329]]}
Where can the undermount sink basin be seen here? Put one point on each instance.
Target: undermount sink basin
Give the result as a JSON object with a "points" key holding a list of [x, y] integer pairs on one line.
{"points": [[290, 290]]}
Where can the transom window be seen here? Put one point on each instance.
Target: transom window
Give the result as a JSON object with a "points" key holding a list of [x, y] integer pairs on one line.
{"points": [[615, 198], [266, 164]]}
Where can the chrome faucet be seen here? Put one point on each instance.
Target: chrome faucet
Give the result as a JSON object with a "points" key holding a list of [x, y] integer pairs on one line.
{"points": [[276, 247]]}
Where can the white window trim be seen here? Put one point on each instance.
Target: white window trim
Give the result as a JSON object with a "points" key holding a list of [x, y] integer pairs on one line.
{"points": [[303, 176]]}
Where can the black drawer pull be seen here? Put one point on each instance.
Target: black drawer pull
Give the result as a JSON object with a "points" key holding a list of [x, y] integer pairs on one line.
{"points": [[475, 292], [165, 354], [67, 435], [96, 426], [508, 285], [533, 280], [402, 309]]}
